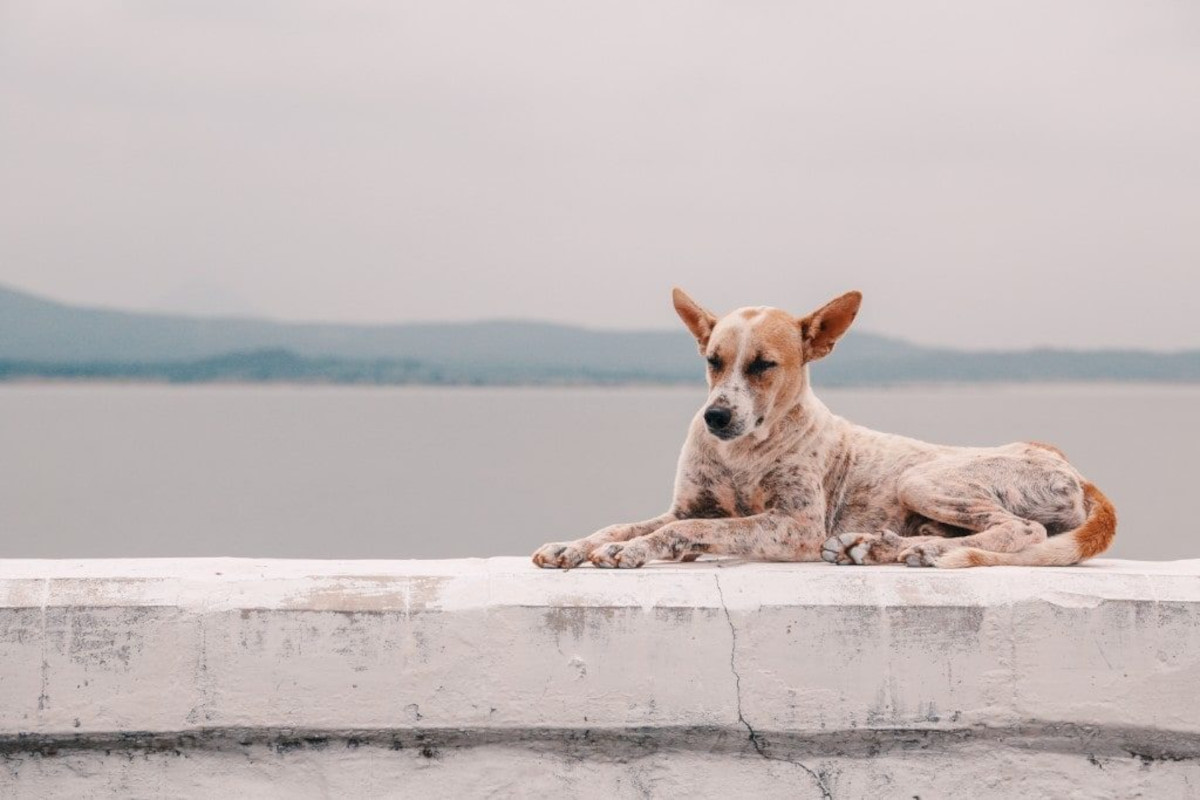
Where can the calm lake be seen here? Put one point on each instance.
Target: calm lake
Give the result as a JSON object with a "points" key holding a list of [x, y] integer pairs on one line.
{"points": [[348, 472]]}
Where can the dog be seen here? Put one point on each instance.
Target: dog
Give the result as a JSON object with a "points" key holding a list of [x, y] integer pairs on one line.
{"points": [[769, 473]]}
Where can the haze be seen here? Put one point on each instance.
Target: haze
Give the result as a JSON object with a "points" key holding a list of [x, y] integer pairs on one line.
{"points": [[990, 174]]}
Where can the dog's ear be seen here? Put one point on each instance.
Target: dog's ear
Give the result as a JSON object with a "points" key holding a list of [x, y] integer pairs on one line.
{"points": [[821, 329], [699, 320]]}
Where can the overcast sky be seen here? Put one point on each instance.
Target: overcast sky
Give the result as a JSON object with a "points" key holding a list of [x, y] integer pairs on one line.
{"points": [[990, 173]]}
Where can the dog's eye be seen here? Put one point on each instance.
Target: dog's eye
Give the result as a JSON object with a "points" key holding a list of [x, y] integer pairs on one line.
{"points": [[758, 366], [714, 362]]}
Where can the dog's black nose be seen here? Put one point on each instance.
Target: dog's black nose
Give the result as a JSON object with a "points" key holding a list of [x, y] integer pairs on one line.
{"points": [[717, 418]]}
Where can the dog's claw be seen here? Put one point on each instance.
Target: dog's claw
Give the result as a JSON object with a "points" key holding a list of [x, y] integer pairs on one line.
{"points": [[923, 555], [618, 555], [604, 557], [861, 548], [843, 549], [559, 555], [831, 550]]}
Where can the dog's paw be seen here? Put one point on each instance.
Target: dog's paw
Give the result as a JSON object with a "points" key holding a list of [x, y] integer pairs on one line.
{"points": [[623, 555], [862, 548], [925, 554], [560, 555]]}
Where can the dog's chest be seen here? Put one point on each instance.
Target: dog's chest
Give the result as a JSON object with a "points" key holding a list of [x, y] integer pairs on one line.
{"points": [[746, 500], [727, 493]]}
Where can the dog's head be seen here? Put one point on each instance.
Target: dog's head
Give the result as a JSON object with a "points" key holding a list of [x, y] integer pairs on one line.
{"points": [[757, 356]]}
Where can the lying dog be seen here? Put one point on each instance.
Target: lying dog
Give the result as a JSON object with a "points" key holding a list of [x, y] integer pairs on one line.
{"points": [[769, 473]]}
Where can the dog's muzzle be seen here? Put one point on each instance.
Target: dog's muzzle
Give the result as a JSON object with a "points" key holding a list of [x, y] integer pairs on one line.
{"points": [[719, 420]]}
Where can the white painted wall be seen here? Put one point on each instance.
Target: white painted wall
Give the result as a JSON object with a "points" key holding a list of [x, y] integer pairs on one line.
{"points": [[193, 678]]}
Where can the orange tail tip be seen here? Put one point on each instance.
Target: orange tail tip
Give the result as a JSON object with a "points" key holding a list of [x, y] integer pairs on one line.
{"points": [[1089, 540]]}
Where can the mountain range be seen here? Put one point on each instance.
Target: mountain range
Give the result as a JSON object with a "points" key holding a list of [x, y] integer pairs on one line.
{"points": [[44, 339]]}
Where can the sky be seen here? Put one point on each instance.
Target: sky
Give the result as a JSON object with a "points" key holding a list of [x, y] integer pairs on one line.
{"points": [[995, 174]]}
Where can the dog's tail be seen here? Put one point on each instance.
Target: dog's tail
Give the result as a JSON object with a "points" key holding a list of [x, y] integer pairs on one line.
{"points": [[1088, 540]]}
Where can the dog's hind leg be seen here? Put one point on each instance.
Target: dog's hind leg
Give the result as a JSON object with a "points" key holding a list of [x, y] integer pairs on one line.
{"points": [[1010, 534], [966, 505]]}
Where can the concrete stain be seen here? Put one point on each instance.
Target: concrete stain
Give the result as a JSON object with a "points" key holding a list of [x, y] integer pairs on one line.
{"points": [[576, 621], [370, 594]]}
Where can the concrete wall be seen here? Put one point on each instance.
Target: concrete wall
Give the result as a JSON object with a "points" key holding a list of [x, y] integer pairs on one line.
{"points": [[240, 678]]}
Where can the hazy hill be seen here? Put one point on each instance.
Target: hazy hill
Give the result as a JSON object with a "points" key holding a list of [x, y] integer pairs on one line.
{"points": [[39, 337]]}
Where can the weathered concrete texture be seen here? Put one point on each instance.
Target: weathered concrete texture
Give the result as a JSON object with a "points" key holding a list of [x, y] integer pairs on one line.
{"points": [[192, 678]]}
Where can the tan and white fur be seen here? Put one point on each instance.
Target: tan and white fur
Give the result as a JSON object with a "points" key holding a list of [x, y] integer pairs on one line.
{"points": [[769, 473]]}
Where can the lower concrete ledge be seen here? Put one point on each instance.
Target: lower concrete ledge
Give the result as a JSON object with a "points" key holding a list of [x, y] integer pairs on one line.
{"points": [[193, 678]]}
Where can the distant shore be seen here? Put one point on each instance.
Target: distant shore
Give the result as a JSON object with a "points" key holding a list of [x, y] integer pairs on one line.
{"points": [[697, 385], [48, 341]]}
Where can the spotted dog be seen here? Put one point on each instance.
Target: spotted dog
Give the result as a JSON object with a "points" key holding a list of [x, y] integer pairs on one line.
{"points": [[769, 473]]}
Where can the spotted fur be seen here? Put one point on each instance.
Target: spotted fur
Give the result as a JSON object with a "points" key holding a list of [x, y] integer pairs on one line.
{"points": [[788, 480]]}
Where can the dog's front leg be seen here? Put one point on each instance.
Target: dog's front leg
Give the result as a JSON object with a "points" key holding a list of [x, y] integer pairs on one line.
{"points": [[771, 536], [564, 555]]}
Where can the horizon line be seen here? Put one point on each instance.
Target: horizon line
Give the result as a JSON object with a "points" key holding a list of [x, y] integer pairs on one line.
{"points": [[268, 319]]}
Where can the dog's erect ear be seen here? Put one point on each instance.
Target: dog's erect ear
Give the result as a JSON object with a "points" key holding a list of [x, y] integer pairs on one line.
{"points": [[822, 328], [699, 320]]}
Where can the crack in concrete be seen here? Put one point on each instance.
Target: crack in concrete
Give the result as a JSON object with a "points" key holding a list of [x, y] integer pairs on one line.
{"points": [[43, 696], [757, 741], [737, 678]]}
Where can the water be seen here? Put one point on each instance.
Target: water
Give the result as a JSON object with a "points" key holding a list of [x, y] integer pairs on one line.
{"points": [[341, 472]]}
